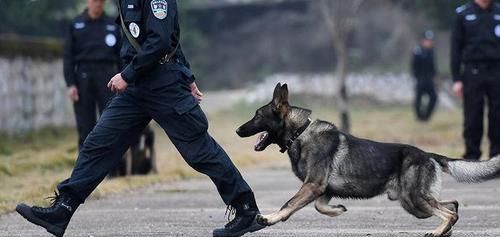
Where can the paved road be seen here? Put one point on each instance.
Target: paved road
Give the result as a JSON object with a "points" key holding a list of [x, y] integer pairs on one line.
{"points": [[192, 208]]}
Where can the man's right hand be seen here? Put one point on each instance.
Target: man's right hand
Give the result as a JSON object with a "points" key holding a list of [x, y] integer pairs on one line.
{"points": [[458, 89], [73, 93]]}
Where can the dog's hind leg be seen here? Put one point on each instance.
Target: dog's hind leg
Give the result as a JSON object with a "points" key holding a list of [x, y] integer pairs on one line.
{"points": [[450, 205], [307, 194], [449, 219], [418, 196], [322, 206]]}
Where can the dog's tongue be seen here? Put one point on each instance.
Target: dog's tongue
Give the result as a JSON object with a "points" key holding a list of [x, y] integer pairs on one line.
{"points": [[260, 139]]}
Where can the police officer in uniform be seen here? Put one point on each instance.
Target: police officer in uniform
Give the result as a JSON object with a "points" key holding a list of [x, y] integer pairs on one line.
{"points": [[91, 57], [475, 65], [155, 84], [424, 71]]}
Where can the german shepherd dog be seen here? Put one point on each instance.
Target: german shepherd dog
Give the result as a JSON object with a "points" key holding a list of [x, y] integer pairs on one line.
{"points": [[332, 163]]}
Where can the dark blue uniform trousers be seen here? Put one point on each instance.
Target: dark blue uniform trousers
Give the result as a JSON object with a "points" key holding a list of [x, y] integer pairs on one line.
{"points": [[166, 98], [481, 86], [91, 80]]}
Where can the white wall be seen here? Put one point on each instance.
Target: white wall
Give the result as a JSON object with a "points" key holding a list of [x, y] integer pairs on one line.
{"points": [[32, 95]]}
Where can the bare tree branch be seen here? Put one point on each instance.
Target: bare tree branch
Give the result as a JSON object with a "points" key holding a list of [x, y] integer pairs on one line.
{"points": [[340, 18]]}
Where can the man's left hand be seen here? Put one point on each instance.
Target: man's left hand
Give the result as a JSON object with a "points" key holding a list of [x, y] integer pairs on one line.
{"points": [[117, 84], [196, 92]]}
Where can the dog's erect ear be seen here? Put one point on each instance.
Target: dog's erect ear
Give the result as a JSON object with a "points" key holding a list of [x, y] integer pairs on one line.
{"points": [[280, 99], [284, 94], [276, 91]]}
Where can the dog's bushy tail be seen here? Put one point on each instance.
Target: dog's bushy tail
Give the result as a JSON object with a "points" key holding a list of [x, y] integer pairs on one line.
{"points": [[470, 171]]}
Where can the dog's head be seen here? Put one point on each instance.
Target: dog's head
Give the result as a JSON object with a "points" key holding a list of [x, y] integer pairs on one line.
{"points": [[269, 119]]}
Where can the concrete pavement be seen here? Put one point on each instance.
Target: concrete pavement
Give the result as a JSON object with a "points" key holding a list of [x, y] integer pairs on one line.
{"points": [[193, 208]]}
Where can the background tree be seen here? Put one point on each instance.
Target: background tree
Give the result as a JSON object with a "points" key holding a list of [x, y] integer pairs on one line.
{"points": [[37, 17], [340, 17]]}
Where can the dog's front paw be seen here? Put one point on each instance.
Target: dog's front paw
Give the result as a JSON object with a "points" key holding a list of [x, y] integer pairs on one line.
{"points": [[342, 207], [261, 220], [267, 220]]}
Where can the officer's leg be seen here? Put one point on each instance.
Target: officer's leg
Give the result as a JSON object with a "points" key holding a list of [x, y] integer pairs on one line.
{"points": [[493, 95], [122, 121], [418, 102], [473, 117], [431, 91], [175, 109], [85, 108], [188, 132]]}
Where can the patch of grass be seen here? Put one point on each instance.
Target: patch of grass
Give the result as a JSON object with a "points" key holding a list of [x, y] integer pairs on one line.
{"points": [[35, 163], [41, 139]]}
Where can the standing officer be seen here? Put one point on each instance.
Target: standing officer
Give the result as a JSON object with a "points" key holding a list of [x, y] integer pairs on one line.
{"points": [[91, 57], [156, 84], [475, 44], [424, 71]]}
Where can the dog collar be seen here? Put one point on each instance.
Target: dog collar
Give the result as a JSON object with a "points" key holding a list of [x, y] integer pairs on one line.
{"points": [[296, 135]]}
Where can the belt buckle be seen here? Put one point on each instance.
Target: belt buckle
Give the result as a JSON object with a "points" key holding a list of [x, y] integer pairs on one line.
{"points": [[164, 60]]}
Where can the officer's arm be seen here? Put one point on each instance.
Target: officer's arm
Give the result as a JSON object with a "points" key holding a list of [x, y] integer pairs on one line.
{"points": [[457, 43], [182, 58], [69, 64], [159, 41]]}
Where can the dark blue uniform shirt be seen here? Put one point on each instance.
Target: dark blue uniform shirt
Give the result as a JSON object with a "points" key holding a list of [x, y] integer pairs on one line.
{"points": [[90, 41], [475, 36], [154, 25], [423, 66]]}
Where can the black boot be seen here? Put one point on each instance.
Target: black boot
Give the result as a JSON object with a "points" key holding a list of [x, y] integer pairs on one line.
{"points": [[245, 219], [54, 218]]}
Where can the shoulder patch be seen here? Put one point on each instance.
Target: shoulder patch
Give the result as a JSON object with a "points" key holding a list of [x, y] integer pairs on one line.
{"points": [[462, 8], [110, 27], [79, 25], [159, 8], [470, 17]]}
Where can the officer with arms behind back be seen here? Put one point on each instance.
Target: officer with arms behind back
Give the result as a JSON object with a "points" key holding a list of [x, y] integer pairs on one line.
{"points": [[424, 70], [475, 66], [156, 84], [91, 57]]}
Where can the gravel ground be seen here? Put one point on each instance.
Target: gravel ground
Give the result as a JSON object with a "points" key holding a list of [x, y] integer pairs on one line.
{"points": [[193, 208]]}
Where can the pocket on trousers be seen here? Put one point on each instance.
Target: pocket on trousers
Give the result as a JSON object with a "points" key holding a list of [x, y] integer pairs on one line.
{"points": [[191, 122]]}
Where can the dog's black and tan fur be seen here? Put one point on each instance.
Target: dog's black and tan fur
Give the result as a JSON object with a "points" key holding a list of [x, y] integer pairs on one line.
{"points": [[332, 163]]}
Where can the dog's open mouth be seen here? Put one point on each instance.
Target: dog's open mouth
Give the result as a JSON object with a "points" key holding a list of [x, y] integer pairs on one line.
{"points": [[262, 141]]}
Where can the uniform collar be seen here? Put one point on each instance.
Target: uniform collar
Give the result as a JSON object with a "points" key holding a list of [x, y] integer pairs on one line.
{"points": [[488, 9], [86, 17]]}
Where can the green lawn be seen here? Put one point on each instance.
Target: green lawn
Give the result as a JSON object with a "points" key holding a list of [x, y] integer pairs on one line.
{"points": [[32, 165]]}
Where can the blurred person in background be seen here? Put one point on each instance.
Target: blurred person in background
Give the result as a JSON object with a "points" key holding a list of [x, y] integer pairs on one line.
{"points": [[424, 70], [158, 84], [475, 66], [91, 57]]}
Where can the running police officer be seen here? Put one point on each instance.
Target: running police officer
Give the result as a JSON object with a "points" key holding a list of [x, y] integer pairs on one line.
{"points": [[156, 84], [91, 57], [475, 45], [424, 71]]}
